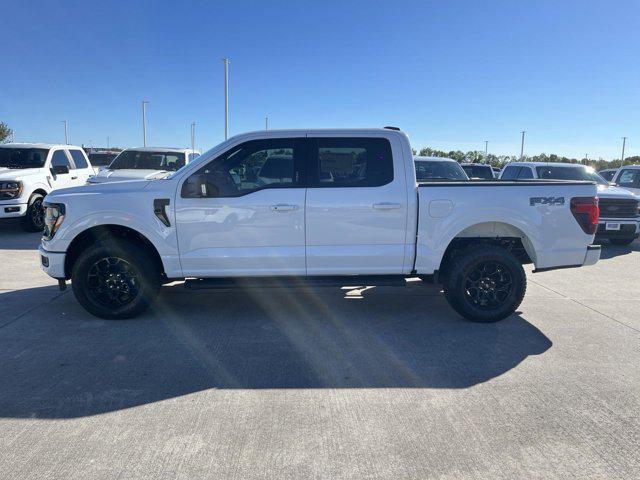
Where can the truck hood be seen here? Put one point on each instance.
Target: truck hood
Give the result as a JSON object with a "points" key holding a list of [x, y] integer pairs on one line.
{"points": [[605, 191], [105, 188], [107, 175], [20, 173]]}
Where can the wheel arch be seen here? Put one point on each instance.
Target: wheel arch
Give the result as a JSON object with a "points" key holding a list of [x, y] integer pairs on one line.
{"points": [[507, 236], [95, 234]]}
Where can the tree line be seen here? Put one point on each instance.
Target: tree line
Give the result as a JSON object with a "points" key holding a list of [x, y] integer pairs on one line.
{"points": [[476, 156]]}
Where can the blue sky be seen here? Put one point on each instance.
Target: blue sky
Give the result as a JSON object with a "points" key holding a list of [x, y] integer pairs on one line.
{"points": [[450, 73]]}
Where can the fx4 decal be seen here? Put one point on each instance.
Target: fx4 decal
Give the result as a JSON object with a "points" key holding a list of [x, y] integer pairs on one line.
{"points": [[533, 201]]}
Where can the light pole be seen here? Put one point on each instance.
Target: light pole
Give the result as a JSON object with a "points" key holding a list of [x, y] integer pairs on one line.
{"points": [[226, 97], [107, 143], [486, 150], [144, 122], [624, 142], [266, 122], [522, 145], [66, 138], [193, 137]]}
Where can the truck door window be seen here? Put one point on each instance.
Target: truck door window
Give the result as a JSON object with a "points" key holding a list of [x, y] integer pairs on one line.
{"points": [[78, 159], [247, 168], [350, 162], [60, 159]]}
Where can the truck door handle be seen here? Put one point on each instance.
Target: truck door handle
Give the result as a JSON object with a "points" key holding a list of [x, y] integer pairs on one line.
{"points": [[283, 207], [74, 178], [386, 206]]}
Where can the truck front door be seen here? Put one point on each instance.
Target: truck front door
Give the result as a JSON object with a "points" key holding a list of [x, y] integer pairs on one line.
{"points": [[243, 213], [356, 211]]}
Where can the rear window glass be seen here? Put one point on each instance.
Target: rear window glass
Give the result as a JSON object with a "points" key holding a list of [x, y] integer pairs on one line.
{"points": [[351, 162]]}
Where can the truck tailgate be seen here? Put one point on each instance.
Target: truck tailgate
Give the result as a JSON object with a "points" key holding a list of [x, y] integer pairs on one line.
{"points": [[536, 211]]}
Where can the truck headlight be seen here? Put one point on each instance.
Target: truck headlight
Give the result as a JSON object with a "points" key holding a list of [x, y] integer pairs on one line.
{"points": [[53, 218], [11, 189]]}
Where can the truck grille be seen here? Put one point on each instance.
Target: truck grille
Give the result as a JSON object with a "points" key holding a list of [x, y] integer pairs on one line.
{"points": [[614, 208]]}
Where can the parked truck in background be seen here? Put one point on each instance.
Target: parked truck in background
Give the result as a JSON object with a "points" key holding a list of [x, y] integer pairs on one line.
{"points": [[29, 171], [343, 205], [619, 213], [146, 163]]}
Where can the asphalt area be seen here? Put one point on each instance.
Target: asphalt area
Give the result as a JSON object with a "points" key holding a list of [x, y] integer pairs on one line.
{"points": [[322, 382]]}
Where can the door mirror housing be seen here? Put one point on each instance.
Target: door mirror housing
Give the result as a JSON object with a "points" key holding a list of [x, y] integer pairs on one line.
{"points": [[59, 169]]}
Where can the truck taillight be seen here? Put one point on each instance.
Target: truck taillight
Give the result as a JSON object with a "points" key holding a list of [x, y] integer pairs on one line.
{"points": [[586, 212]]}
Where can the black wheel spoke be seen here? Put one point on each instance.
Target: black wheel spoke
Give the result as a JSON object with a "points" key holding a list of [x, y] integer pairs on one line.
{"points": [[488, 285], [113, 282]]}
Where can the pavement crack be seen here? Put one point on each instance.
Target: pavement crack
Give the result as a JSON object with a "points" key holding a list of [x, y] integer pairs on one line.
{"points": [[587, 306]]}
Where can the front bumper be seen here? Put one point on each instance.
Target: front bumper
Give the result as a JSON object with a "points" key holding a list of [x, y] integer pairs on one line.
{"points": [[628, 229], [12, 210], [52, 263]]}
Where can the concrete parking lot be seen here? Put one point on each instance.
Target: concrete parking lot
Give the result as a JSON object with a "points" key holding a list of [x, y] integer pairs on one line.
{"points": [[321, 383]]}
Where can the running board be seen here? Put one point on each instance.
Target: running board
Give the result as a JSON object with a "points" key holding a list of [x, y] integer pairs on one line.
{"points": [[296, 282]]}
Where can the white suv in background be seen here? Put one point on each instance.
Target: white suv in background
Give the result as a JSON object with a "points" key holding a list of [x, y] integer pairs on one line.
{"points": [[145, 163], [29, 171], [619, 214]]}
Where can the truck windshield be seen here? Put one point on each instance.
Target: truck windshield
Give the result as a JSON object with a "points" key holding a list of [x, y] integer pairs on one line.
{"points": [[439, 171], [23, 157], [578, 172], [145, 160]]}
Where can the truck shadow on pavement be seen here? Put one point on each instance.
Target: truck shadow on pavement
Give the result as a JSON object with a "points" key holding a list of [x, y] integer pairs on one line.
{"points": [[56, 361], [611, 251]]}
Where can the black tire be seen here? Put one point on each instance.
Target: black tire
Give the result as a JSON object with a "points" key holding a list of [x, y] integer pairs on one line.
{"points": [[485, 283], [621, 241], [33, 221], [115, 279]]}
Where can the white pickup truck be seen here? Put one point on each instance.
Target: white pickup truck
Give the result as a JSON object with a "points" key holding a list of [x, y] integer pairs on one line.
{"points": [[29, 171], [343, 205]]}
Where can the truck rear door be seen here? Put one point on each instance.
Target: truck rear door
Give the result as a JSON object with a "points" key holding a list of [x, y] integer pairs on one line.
{"points": [[356, 205]]}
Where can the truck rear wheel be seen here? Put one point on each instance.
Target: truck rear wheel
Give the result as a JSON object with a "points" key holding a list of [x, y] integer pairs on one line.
{"points": [[33, 220], [485, 283], [115, 279]]}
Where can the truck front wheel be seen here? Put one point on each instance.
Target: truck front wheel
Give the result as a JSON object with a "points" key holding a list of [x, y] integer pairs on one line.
{"points": [[33, 220], [485, 283], [115, 279]]}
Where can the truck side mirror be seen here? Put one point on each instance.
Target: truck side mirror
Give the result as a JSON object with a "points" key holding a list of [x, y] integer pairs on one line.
{"points": [[59, 169]]}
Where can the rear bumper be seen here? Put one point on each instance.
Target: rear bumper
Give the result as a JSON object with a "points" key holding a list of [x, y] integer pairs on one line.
{"points": [[52, 263], [12, 210], [591, 257]]}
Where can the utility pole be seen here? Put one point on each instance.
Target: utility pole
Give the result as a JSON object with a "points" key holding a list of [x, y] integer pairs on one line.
{"points": [[144, 122], [193, 137], [624, 141], [266, 122], [522, 145], [226, 97], [66, 138]]}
